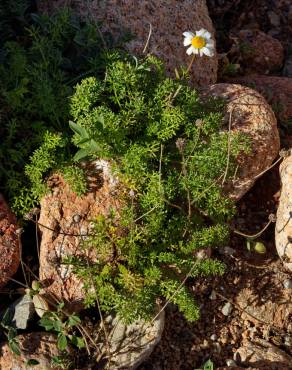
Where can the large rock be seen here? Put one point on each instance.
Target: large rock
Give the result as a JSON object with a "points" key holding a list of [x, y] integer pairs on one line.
{"points": [[169, 19], [259, 52], [132, 344], [273, 309], [63, 218], [251, 115], [260, 354], [33, 346], [19, 312], [277, 91], [283, 232], [9, 243]]}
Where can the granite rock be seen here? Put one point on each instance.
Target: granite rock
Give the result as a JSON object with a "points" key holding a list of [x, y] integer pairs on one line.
{"points": [[276, 90], [168, 19], [260, 53], [132, 344], [261, 354], [250, 114], [39, 346], [62, 236], [283, 231], [9, 243]]}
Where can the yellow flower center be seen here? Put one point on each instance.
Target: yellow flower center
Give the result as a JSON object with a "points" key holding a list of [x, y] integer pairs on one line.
{"points": [[198, 42]]}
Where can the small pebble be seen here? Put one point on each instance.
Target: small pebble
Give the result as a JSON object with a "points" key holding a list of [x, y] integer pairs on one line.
{"points": [[228, 251], [230, 362], [76, 218], [287, 284], [213, 295], [274, 19], [205, 344], [288, 341], [217, 347], [213, 337], [227, 309]]}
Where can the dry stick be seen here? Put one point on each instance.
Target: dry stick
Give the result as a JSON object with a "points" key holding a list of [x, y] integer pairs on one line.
{"points": [[145, 214], [148, 39], [254, 236], [20, 257], [160, 166], [36, 237], [251, 315], [228, 147], [269, 168]]}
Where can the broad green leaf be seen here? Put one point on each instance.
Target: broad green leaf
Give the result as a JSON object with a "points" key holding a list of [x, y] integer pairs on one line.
{"points": [[79, 130], [82, 153], [14, 346], [32, 362], [6, 319], [94, 147], [78, 342], [58, 325], [62, 342], [12, 333], [73, 320], [48, 324]]}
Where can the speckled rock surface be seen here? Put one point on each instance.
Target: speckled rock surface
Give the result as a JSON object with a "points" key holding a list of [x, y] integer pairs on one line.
{"points": [[9, 243], [38, 345], [283, 231], [261, 354], [277, 91], [132, 344], [260, 53], [57, 213], [252, 115], [273, 309], [169, 19]]}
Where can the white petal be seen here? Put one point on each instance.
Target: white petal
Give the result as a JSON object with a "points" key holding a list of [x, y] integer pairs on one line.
{"points": [[187, 41], [201, 52], [210, 44], [188, 34], [196, 51], [207, 51], [200, 32], [190, 50], [206, 34]]}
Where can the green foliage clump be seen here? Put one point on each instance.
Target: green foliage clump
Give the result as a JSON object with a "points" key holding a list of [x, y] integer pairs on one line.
{"points": [[169, 150], [42, 58]]}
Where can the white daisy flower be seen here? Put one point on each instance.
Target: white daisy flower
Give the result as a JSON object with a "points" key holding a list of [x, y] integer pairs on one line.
{"points": [[200, 43]]}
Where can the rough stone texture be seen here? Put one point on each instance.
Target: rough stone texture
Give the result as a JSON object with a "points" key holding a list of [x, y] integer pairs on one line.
{"points": [[38, 345], [57, 212], [283, 231], [169, 19], [260, 354], [20, 312], [273, 309], [277, 91], [250, 114], [260, 53], [9, 243], [132, 344]]}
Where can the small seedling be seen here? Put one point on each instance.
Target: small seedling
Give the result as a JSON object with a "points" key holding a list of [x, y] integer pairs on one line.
{"points": [[63, 326]]}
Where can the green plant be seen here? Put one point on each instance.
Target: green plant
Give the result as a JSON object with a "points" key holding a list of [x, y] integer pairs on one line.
{"points": [[63, 326], [41, 60], [169, 149], [11, 332], [208, 366]]}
